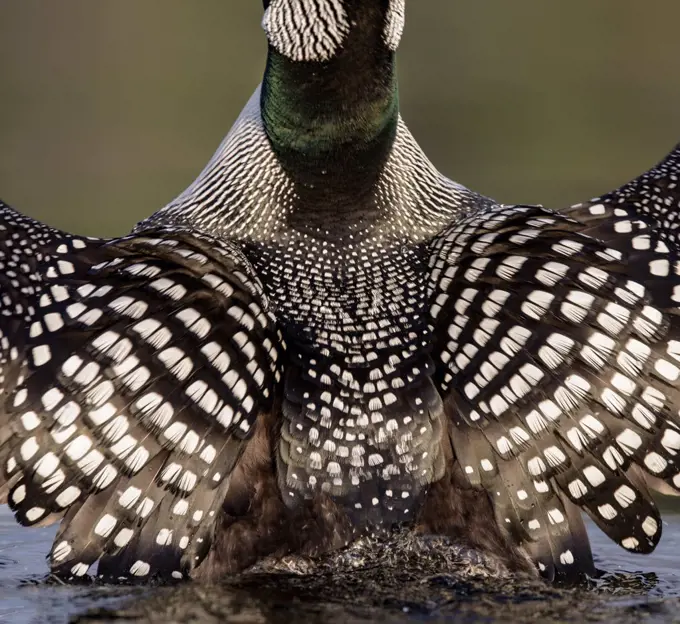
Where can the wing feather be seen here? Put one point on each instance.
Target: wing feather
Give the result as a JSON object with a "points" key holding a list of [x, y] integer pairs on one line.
{"points": [[136, 371], [558, 362]]}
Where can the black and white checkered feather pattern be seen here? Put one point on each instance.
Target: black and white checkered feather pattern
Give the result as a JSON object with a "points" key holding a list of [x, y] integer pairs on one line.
{"points": [[559, 364], [136, 372], [23, 244], [362, 418], [644, 214], [429, 333]]}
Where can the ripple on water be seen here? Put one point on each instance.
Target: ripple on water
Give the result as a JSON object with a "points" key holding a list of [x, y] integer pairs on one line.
{"points": [[27, 596], [399, 581]]}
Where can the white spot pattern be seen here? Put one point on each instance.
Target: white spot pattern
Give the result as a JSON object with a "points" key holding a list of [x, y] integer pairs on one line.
{"points": [[158, 351], [590, 339], [110, 414]]}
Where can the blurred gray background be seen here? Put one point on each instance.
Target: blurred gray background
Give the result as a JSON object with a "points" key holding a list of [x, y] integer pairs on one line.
{"points": [[108, 109]]}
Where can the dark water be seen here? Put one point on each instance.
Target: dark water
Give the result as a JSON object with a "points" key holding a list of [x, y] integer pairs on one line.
{"points": [[394, 587], [25, 595]]}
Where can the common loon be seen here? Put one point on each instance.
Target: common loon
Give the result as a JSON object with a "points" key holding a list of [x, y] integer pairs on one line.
{"points": [[323, 338]]}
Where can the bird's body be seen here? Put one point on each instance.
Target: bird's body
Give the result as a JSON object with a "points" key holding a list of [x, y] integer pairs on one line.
{"points": [[323, 336], [357, 332]]}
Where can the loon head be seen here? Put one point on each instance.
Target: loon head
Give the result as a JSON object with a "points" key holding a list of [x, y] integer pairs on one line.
{"points": [[323, 30]]}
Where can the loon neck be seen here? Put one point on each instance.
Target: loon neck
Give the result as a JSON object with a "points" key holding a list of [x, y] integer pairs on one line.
{"points": [[335, 120]]}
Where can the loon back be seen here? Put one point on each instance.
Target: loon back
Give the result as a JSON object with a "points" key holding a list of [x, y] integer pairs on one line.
{"points": [[346, 271], [324, 331]]}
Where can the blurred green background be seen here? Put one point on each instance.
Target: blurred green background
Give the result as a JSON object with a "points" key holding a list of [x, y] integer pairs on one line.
{"points": [[108, 109]]}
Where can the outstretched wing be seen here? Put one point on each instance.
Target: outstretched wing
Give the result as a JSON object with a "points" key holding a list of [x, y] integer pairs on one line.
{"points": [[558, 357], [133, 372], [643, 214]]}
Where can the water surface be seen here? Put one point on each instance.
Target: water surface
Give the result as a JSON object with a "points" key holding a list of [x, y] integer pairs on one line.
{"points": [[394, 588]]}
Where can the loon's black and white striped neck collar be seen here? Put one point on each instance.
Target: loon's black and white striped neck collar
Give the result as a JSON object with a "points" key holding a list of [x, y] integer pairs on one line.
{"points": [[318, 30]]}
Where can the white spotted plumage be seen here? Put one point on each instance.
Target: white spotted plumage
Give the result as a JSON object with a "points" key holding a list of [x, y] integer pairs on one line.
{"points": [[617, 328], [543, 347], [99, 437]]}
